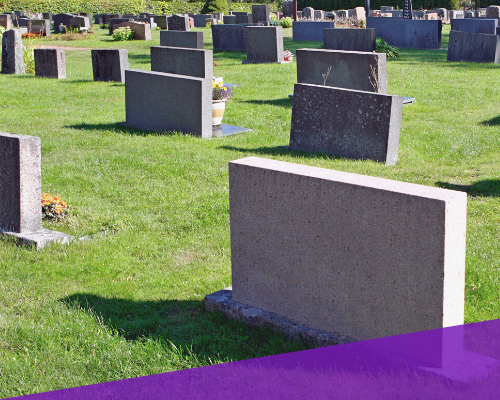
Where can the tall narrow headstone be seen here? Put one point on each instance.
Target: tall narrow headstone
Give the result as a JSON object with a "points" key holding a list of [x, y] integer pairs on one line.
{"points": [[12, 52]]}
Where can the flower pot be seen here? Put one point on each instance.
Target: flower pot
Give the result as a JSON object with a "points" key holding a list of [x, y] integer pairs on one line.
{"points": [[218, 107]]}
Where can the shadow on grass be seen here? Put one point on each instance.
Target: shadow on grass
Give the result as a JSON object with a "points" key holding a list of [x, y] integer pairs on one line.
{"points": [[287, 103], [281, 151], [495, 121], [486, 188], [140, 58], [185, 323], [118, 127]]}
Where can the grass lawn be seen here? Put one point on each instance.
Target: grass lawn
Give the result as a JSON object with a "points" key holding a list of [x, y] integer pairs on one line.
{"points": [[131, 304]]}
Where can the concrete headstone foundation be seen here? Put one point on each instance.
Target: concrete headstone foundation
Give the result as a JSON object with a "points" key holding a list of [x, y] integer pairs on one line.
{"points": [[354, 255], [189, 62], [346, 123], [21, 191], [190, 40], [167, 102], [344, 69]]}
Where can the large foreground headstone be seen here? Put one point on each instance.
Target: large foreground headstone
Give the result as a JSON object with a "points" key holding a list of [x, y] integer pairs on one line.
{"points": [[473, 47], [12, 52], [109, 64], [349, 39], [229, 37], [189, 62], [167, 102], [264, 44], [21, 191], [50, 63], [346, 123], [310, 30], [190, 40], [401, 32], [344, 69], [354, 255]]}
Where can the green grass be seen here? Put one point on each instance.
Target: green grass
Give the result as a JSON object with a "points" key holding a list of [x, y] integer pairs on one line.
{"points": [[131, 304]]}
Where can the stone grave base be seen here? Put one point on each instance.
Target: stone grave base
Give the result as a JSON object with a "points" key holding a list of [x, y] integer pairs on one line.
{"points": [[41, 238], [223, 301], [222, 130], [264, 62]]}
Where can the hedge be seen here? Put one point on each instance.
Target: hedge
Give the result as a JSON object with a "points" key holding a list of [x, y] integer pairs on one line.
{"points": [[329, 5], [113, 6]]}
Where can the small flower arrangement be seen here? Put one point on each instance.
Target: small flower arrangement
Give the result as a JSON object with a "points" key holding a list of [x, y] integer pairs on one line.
{"points": [[221, 92], [53, 207], [288, 55], [30, 35]]}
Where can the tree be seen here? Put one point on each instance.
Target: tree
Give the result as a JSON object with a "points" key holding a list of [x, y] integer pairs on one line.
{"points": [[214, 6]]}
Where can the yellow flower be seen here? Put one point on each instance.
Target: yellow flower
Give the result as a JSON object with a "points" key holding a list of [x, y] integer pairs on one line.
{"points": [[58, 209]]}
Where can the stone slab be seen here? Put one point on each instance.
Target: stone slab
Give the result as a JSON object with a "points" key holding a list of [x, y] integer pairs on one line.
{"points": [[61, 19], [353, 255], [50, 63], [260, 13], [473, 47], [400, 32], [310, 30], [116, 21], [181, 61], [6, 21], [349, 39], [161, 21], [141, 31], [223, 302], [473, 25], [344, 69], [178, 22], [12, 52], [41, 238], [264, 44], [168, 102], [229, 19], [20, 183], [109, 65], [229, 37], [346, 123], [199, 20], [190, 40]]}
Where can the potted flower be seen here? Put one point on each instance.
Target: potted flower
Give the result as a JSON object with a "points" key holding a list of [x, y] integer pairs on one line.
{"points": [[220, 94]]}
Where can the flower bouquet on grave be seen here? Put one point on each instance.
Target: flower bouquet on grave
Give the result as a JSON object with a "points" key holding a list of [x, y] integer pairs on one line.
{"points": [[288, 55], [220, 94], [53, 207]]}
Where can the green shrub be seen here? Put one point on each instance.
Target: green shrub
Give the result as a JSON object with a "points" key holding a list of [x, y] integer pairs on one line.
{"points": [[383, 47], [286, 22], [123, 33], [214, 6]]}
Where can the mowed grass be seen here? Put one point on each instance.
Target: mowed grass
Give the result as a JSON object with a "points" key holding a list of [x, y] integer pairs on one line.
{"points": [[131, 303]]}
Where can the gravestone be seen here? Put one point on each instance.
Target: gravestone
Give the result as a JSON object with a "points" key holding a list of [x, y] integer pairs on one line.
{"points": [[229, 19], [396, 13], [244, 18], [288, 8], [6, 21], [346, 123], [178, 22], [493, 12], [50, 63], [386, 8], [79, 22], [116, 21], [431, 16], [12, 52], [199, 20], [21, 191], [40, 27], [482, 25], [357, 256], [191, 40], [61, 19], [310, 30], [161, 21], [47, 15], [141, 31], [319, 15], [400, 32], [109, 65], [167, 102], [181, 61], [473, 47], [229, 37], [147, 20], [365, 71], [260, 13], [456, 14], [264, 45], [442, 13], [349, 39], [342, 13], [359, 13], [308, 13]]}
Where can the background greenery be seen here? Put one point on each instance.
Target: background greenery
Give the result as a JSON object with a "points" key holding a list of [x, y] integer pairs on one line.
{"points": [[131, 303]]}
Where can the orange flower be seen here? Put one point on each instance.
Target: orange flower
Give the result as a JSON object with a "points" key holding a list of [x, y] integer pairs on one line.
{"points": [[58, 209]]}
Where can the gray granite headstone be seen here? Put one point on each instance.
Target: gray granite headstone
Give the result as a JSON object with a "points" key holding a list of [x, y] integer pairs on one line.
{"points": [[260, 13], [346, 123], [178, 22], [229, 37], [6, 21], [288, 8], [190, 40], [473, 47], [61, 19], [109, 64], [199, 20], [161, 21], [181, 61], [229, 19], [264, 44], [12, 52], [349, 39], [308, 13], [50, 63]]}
